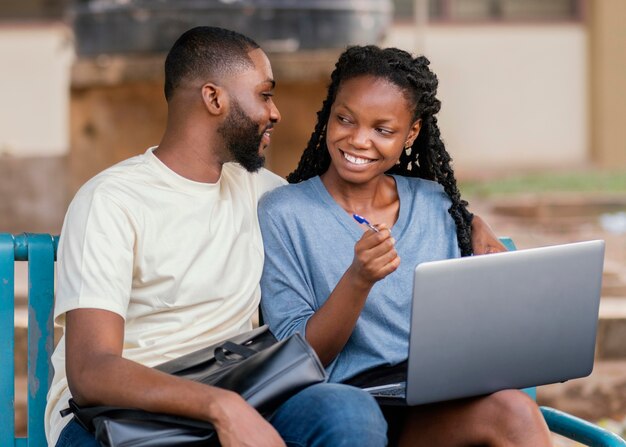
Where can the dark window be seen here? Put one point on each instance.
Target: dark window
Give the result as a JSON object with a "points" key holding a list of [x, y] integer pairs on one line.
{"points": [[493, 10], [403, 9], [25, 10]]}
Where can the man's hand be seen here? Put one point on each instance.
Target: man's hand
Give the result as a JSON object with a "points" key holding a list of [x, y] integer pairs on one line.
{"points": [[239, 425], [484, 240]]}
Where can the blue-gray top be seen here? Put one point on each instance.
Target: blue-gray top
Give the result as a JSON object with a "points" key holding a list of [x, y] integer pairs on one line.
{"points": [[309, 243]]}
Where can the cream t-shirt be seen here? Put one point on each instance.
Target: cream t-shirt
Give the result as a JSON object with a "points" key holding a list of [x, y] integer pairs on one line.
{"points": [[179, 260]]}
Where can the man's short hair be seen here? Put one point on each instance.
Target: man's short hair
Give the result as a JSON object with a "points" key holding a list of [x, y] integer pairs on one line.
{"points": [[206, 52]]}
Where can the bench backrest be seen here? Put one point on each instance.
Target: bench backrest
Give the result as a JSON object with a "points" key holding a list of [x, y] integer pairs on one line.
{"points": [[40, 251]]}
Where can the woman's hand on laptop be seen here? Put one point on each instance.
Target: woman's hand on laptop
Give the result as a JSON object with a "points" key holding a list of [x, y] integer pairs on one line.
{"points": [[484, 240]]}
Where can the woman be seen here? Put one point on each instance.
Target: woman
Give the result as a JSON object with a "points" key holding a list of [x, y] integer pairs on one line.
{"points": [[376, 152]]}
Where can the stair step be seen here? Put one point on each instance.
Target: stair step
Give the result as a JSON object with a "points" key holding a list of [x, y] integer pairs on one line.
{"points": [[612, 329]]}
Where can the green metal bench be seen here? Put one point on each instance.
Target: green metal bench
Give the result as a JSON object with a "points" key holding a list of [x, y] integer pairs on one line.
{"points": [[39, 250]]}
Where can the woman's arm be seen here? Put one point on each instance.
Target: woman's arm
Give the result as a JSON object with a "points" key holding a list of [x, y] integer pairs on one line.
{"points": [[374, 258], [289, 303], [484, 240]]}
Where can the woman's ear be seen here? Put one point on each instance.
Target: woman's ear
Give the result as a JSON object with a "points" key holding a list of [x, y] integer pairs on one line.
{"points": [[413, 133], [214, 98]]}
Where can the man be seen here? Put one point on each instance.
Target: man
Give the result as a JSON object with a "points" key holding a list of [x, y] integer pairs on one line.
{"points": [[161, 255]]}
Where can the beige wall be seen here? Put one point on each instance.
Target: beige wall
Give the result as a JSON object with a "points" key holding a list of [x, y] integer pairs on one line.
{"points": [[607, 28], [34, 89], [298, 103], [513, 96], [34, 125], [110, 123]]}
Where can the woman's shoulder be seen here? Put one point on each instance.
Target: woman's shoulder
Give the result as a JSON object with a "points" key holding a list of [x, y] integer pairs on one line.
{"points": [[422, 187], [425, 193], [288, 197]]}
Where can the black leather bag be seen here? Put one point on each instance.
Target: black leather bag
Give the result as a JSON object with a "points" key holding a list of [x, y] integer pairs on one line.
{"points": [[262, 370]]}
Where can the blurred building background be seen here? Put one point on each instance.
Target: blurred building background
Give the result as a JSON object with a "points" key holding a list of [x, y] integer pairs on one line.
{"points": [[525, 84]]}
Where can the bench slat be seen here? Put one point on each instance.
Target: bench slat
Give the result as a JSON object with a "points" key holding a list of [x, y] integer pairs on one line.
{"points": [[40, 332], [7, 340]]}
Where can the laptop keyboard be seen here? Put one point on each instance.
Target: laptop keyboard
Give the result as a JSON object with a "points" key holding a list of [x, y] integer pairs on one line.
{"points": [[392, 390]]}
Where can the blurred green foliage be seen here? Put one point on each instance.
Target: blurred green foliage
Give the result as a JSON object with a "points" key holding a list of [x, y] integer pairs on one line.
{"points": [[609, 182]]}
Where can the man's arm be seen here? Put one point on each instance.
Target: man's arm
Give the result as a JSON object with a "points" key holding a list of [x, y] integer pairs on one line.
{"points": [[484, 240], [98, 375]]}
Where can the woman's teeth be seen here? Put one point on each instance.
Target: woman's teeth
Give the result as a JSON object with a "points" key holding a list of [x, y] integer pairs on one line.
{"points": [[356, 160]]}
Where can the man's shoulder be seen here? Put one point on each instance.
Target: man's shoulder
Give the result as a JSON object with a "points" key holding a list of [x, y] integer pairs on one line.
{"points": [[114, 179], [263, 180]]}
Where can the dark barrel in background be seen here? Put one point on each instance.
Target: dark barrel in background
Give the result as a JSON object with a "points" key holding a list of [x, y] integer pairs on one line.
{"points": [[150, 26]]}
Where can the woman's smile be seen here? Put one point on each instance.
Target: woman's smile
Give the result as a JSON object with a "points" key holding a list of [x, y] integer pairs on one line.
{"points": [[356, 160]]}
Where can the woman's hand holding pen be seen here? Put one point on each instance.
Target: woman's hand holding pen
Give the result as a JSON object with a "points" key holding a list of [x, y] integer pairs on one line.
{"points": [[375, 256]]}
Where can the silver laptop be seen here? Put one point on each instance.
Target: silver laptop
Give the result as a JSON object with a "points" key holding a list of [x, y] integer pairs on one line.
{"points": [[508, 320]]}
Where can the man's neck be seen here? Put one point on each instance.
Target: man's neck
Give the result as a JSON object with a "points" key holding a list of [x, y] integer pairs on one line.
{"points": [[189, 160]]}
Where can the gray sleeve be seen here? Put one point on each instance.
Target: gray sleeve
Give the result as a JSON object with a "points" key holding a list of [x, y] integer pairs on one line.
{"points": [[286, 300]]}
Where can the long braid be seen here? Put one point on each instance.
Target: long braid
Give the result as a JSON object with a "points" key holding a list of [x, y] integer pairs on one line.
{"points": [[427, 157], [445, 176]]}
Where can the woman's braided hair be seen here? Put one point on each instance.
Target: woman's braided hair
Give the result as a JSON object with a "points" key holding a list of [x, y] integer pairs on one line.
{"points": [[427, 158]]}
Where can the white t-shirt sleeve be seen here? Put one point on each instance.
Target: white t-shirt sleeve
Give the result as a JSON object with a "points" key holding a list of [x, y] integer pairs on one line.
{"points": [[95, 258], [267, 181]]}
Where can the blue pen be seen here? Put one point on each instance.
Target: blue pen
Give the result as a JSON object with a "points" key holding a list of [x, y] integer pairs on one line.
{"points": [[363, 220]]}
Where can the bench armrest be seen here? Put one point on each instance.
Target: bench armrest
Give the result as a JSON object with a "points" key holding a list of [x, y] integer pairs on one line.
{"points": [[580, 430]]}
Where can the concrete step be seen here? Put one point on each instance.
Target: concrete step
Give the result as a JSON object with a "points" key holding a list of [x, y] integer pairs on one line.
{"points": [[613, 279], [612, 329], [601, 395]]}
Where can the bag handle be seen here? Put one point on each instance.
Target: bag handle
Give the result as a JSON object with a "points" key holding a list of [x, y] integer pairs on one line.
{"points": [[221, 352], [207, 354]]}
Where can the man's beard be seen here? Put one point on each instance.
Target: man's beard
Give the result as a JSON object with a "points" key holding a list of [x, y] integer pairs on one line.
{"points": [[242, 138]]}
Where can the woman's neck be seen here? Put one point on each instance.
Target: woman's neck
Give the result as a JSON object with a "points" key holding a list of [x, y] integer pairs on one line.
{"points": [[377, 199]]}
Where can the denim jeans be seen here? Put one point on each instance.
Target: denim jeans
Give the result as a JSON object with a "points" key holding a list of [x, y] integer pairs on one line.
{"points": [[73, 435], [324, 415]]}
